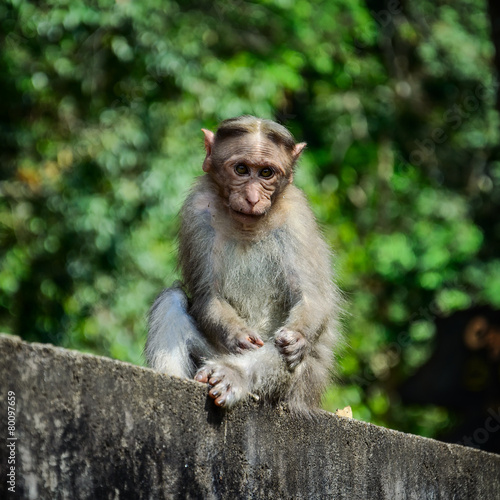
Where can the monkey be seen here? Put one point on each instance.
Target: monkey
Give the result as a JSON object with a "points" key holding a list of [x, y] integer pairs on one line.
{"points": [[257, 311]]}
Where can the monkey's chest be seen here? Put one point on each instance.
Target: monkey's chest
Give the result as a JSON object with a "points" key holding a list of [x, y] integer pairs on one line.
{"points": [[253, 281]]}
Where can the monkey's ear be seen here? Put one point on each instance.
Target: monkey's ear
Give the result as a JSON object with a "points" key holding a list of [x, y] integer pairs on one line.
{"points": [[297, 150], [209, 142]]}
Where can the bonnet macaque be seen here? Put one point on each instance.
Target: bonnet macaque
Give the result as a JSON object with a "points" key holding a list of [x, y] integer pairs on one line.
{"points": [[257, 311]]}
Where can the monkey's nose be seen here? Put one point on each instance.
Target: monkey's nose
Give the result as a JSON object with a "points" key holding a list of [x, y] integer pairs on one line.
{"points": [[252, 201], [252, 197]]}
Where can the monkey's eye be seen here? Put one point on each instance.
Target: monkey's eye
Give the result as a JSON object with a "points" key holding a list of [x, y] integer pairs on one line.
{"points": [[241, 169], [266, 172]]}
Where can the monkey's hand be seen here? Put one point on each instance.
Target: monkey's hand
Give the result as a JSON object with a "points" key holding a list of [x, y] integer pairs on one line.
{"points": [[292, 346], [228, 384], [245, 340]]}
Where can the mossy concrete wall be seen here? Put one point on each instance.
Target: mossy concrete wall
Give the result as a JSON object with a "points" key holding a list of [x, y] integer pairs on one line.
{"points": [[87, 427]]}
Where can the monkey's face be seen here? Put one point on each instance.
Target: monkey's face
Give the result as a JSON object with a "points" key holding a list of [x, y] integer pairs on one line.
{"points": [[251, 171]]}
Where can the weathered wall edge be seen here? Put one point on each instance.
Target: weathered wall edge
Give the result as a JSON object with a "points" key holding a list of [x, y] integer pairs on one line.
{"points": [[92, 427]]}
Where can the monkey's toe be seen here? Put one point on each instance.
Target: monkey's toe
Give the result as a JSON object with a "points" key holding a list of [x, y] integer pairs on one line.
{"points": [[227, 384], [202, 375], [221, 394]]}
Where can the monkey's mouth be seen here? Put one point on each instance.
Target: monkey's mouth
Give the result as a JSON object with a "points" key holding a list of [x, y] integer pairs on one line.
{"points": [[244, 217]]}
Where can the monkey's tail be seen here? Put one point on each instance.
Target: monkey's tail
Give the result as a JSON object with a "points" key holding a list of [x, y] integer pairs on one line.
{"points": [[174, 342]]}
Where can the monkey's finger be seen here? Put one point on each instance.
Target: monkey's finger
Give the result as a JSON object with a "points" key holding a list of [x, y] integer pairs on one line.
{"points": [[283, 346], [284, 340], [255, 339], [292, 349], [294, 359], [246, 344]]}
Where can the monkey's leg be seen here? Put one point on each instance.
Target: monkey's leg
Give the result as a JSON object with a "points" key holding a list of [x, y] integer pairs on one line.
{"points": [[266, 373], [174, 342], [234, 376]]}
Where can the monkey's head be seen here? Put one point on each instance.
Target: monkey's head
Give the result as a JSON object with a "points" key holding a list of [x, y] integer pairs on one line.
{"points": [[251, 160]]}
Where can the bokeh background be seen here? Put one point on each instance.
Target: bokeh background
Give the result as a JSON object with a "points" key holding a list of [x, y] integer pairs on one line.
{"points": [[101, 108]]}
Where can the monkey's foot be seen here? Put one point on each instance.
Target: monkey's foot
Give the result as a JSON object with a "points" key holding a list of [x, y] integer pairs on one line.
{"points": [[228, 385], [292, 346]]}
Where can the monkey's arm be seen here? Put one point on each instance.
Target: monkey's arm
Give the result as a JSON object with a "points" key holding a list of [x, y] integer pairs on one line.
{"points": [[311, 320], [309, 325], [222, 325], [217, 319]]}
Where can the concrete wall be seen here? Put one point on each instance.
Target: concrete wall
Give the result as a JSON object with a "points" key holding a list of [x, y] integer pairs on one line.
{"points": [[93, 428]]}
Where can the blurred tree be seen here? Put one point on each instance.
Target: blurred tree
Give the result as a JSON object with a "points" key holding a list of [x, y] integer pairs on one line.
{"points": [[99, 127], [494, 12]]}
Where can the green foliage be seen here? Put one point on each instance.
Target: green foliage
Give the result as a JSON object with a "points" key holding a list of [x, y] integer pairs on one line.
{"points": [[100, 129]]}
